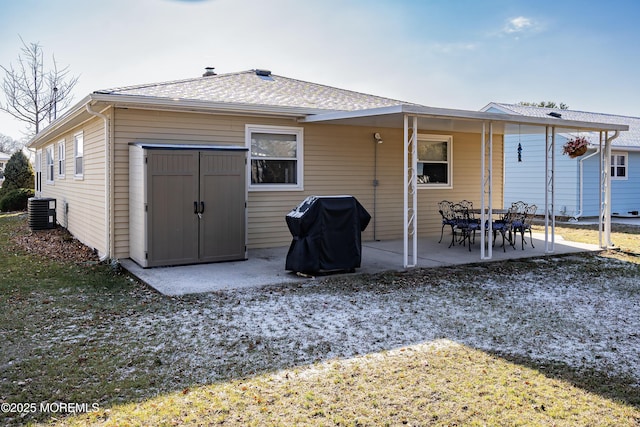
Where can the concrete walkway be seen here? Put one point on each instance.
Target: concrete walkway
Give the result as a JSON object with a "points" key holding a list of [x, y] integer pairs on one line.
{"points": [[266, 266]]}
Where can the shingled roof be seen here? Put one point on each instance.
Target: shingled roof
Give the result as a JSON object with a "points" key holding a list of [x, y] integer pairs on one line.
{"points": [[630, 138], [258, 87]]}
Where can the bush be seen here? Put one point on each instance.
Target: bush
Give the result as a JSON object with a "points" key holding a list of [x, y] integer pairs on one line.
{"points": [[15, 200], [18, 173]]}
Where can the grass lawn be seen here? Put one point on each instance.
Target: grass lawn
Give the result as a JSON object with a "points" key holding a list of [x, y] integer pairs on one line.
{"points": [[543, 342]]}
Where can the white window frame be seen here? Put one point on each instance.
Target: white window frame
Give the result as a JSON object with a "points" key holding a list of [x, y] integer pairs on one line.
{"points": [[299, 133], [78, 141], [61, 158], [615, 156], [449, 162], [50, 163]]}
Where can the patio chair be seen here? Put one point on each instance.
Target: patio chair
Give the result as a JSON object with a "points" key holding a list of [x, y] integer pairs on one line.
{"points": [[504, 226], [466, 223], [445, 208], [467, 204], [519, 207], [523, 224]]}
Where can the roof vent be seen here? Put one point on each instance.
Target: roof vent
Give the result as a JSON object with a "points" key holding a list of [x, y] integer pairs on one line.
{"points": [[554, 114], [263, 73], [208, 71]]}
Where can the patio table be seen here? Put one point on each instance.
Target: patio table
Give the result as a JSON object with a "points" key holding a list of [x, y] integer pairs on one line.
{"points": [[493, 211], [500, 213]]}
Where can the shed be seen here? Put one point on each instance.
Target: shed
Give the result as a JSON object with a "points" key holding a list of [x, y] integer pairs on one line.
{"points": [[187, 204]]}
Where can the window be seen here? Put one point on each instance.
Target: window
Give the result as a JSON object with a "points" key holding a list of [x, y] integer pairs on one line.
{"points": [[276, 157], [434, 161], [61, 156], [49, 157], [78, 148], [619, 166]]}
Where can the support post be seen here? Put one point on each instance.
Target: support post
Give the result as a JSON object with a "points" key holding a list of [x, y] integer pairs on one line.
{"points": [[486, 204], [549, 195], [410, 232], [605, 193]]}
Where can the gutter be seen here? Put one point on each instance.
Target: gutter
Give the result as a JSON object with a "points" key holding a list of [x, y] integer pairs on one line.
{"points": [[177, 104], [107, 180]]}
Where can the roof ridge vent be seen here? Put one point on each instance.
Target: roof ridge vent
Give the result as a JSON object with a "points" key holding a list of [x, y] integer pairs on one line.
{"points": [[208, 71], [263, 73]]}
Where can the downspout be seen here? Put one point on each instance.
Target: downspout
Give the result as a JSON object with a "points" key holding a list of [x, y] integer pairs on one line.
{"points": [[377, 141], [107, 182]]}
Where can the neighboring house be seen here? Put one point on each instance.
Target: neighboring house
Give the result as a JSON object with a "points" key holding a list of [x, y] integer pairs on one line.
{"points": [[203, 169], [4, 158], [577, 179]]}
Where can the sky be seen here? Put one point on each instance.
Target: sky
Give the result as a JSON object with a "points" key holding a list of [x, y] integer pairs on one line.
{"points": [[458, 54]]}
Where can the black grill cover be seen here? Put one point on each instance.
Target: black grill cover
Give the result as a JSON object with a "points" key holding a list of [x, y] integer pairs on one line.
{"points": [[326, 234]]}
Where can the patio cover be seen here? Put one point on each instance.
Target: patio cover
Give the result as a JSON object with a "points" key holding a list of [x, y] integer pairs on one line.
{"points": [[411, 118]]}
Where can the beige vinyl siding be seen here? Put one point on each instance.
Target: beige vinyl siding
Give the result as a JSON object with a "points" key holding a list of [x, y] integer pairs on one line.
{"points": [[80, 201], [337, 160]]}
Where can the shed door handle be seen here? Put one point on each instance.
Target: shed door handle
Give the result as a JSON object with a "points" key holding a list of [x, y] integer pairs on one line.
{"points": [[195, 207], [201, 207]]}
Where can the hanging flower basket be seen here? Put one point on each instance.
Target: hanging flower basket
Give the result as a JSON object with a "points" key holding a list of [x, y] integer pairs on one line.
{"points": [[575, 147], [578, 152]]}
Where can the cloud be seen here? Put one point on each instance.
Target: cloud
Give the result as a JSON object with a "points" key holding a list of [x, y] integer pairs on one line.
{"points": [[519, 24]]}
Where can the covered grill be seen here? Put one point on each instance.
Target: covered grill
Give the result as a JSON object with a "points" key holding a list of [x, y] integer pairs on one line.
{"points": [[326, 234]]}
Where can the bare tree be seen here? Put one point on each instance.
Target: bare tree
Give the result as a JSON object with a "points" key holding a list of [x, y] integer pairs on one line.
{"points": [[34, 94], [8, 145], [546, 104]]}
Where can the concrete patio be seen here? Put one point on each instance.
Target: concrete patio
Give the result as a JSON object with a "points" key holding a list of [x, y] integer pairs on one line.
{"points": [[266, 266]]}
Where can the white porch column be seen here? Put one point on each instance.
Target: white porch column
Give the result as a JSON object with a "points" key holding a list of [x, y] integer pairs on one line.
{"points": [[549, 195], [486, 190], [410, 232], [605, 193]]}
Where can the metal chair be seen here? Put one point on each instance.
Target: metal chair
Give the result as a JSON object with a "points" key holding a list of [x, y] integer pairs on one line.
{"points": [[524, 224], [466, 223], [445, 208], [519, 207], [504, 226]]}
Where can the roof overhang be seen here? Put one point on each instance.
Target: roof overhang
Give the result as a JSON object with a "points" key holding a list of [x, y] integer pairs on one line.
{"points": [[431, 118], [77, 114], [444, 119]]}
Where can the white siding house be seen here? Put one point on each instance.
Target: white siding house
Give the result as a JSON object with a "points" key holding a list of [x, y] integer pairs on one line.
{"points": [[577, 180]]}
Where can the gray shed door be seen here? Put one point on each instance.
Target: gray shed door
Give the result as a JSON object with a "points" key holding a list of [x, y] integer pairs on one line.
{"points": [[222, 195], [196, 206]]}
